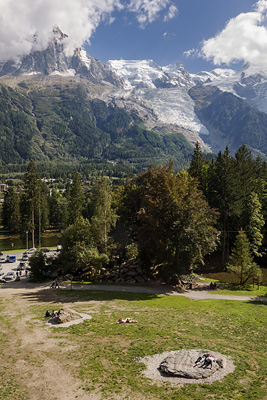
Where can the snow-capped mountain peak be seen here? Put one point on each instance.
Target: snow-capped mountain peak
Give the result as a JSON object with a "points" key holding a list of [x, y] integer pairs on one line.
{"points": [[139, 74]]}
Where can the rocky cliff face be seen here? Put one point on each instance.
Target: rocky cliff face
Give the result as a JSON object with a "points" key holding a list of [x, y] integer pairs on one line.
{"points": [[54, 61]]}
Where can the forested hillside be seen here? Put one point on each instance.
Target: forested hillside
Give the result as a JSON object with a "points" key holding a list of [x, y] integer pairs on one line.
{"points": [[238, 121], [62, 123]]}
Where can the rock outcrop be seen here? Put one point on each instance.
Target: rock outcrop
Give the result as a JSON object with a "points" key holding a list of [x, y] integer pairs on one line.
{"points": [[129, 272], [66, 315], [182, 364]]}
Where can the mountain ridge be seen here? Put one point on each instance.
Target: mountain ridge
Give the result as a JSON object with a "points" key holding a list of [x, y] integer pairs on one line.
{"points": [[165, 99]]}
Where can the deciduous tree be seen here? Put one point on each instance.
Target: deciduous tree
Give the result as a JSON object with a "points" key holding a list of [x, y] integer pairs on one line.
{"points": [[104, 215], [169, 218], [75, 198], [32, 183]]}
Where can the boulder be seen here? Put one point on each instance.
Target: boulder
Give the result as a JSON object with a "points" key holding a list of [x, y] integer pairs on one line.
{"points": [[132, 273], [221, 362], [130, 281], [67, 315], [139, 279], [182, 364]]}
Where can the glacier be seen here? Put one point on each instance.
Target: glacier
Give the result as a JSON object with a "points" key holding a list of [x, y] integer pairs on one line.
{"points": [[164, 90]]}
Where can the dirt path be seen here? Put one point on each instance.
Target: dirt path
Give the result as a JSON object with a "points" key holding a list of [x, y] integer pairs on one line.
{"points": [[40, 365]]}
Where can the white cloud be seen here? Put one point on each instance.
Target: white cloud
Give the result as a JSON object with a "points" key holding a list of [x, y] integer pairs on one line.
{"points": [[191, 53], [169, 34], [147, 10], [172, 12], [244, 38], [20, 20]]}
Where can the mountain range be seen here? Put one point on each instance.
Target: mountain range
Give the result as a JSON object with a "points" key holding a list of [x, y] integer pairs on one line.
{"points": [[75, 108]]}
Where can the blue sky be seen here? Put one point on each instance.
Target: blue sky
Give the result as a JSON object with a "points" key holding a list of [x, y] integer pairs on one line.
{"points": [[166, 41], [202, 34]]}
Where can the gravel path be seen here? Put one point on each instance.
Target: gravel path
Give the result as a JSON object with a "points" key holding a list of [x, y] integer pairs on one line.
{"points": [[153, 288], [167, 290]]}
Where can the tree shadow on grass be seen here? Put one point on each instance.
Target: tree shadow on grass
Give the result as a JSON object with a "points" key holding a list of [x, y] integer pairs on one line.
{"points": [[259, 300], [73, 296], [248, 290]]}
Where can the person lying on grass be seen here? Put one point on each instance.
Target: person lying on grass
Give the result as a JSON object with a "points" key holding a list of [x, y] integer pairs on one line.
{"points": [[126, 320]]}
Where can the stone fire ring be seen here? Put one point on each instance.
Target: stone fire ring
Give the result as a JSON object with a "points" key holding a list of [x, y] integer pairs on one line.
{"points": [[177, 367]]}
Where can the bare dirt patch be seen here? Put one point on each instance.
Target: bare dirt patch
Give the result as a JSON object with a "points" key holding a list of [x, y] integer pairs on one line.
{"points": [[40, 367]]}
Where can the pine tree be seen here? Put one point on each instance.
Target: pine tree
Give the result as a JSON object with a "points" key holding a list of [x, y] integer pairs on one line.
{"points": [[197, 162], [241, 261], [256, 222], [11, 211], [221, 195], [243, 183]]}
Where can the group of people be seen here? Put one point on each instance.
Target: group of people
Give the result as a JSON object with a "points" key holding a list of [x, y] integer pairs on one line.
{"points": [[54, 284], [19, 273], [204, 361], [52, 315], [213, 285]]}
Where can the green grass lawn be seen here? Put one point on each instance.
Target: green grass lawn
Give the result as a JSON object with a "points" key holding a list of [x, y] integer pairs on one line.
{"points": [[227, 285], [104, 350], [236, 290]]}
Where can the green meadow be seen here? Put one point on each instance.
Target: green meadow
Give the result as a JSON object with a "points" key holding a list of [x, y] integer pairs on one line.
{"points": [[99, 352]]}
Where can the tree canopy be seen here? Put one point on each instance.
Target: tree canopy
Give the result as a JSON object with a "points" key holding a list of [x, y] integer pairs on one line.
{"points": [[169, 218]]}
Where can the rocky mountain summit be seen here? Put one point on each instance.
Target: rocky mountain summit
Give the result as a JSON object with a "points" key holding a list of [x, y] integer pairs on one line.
{"points": [[54, 61]]}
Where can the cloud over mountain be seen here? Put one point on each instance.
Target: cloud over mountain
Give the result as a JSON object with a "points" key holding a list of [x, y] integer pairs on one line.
{"points": [[20, 21], [244, 38]]}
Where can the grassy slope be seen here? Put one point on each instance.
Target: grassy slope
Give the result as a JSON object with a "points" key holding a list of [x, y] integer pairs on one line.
{"points": [[103, 351]]}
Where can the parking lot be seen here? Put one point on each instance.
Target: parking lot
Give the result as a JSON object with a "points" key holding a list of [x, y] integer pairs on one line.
{"points": [[7, 267]]}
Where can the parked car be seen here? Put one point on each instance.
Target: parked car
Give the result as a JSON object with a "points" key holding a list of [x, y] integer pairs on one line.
{"points": [[9, 276], [2, 259], [45, 250], [30, 251], [11, 258], [25, 257], [21, 266]]}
